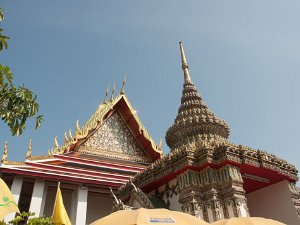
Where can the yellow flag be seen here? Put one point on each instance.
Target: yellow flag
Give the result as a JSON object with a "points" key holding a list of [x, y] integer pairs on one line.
{"points": [[7, 201], [60, 215]]}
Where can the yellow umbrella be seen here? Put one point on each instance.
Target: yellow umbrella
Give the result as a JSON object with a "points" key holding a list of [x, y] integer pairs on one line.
{"points": [[7, 201], [247, 221], [149, 216]]}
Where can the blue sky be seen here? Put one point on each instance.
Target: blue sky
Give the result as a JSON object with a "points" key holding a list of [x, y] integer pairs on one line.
{"points": [[244, 57]]}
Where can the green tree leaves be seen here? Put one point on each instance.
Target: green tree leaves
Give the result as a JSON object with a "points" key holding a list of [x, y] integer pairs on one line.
{"points": [[23, 219], [17, 104]]}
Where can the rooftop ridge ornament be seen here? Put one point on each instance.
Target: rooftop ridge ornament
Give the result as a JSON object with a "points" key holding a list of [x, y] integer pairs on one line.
{"points": [[122, 92], [5, 152], [106, 94], [185, 66], [160, 143], [66, 140], [56, 145], [70, 134], [49, 152], [29, 150], [77, 132], [112, 93]]}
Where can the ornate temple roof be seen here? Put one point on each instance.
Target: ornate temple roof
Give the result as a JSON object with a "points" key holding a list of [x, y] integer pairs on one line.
{"points": [[194, 119], [116, 112], [110, 148]]}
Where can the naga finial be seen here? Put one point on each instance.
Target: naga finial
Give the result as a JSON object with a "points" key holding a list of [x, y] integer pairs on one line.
{"points": [[185, 66], [29, 150], [70, 134], [106, 94], [133, 185], [160, 144], [112, 93], [49, 152], [77, 125], [115, 197], [66, 138], [123, 85], [56, 145], [5, 152]]}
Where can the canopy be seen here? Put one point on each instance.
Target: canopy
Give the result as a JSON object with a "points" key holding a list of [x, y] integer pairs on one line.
{"points": [[149, 216], [247, 221]]}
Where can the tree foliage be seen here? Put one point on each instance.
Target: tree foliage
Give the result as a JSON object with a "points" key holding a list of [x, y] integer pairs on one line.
{"points": [[17, 104], [22, 219]]}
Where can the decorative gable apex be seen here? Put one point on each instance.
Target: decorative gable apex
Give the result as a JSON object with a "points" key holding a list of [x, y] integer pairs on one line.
{"points": [[114, 139]]}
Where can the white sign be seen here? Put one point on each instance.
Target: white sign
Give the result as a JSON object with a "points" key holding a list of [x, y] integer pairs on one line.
{"points": [[161, 220]]}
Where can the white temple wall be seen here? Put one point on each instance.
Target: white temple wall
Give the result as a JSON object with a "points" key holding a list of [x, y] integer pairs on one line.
{"points": [[210, 215], [230, 210], [243, 210], [200, 214], [172, 198], [220, 214], [274, 202], [98, 206], [174, 203]]}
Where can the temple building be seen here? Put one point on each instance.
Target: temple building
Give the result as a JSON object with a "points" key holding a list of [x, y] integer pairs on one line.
{"points": [[105, 153], [112, 163], [208, 176]]}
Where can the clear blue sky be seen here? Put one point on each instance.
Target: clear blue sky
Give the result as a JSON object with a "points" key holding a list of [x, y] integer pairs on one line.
{"points": [[244, 57]]}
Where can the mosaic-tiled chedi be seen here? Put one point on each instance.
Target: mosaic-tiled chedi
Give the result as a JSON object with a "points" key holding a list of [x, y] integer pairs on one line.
{"points": [[205, 174], [210, 194]]}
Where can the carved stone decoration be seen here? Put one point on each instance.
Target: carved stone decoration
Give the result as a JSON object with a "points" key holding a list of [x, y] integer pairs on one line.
{"points": [[295, 196], [208, 186], [118, 204], [115, 139], [138, 197], [208, 192]]}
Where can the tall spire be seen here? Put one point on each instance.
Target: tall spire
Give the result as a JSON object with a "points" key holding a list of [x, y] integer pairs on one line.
{"points": [[194, 120], [185, 66]]}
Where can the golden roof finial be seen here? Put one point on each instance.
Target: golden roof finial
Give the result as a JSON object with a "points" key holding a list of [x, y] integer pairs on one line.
{"points": [[66, 138], [160, 144], [70, 134], [185, 66], [56, 145], [77, 125], [106, 94], [112, 93], [5, 152], [29, 150], [123, 85]]}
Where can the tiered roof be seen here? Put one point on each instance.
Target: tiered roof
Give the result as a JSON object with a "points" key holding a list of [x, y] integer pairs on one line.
{"points": [[194, 119], [109, 149]]}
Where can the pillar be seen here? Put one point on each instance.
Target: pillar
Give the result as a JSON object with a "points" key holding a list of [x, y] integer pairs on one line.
{"points": [[37, 197], [81, 208], [44, 198], [16, 191]]}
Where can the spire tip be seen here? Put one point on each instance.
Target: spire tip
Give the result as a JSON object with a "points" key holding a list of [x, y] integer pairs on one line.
{"points": [[185, 66]]}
